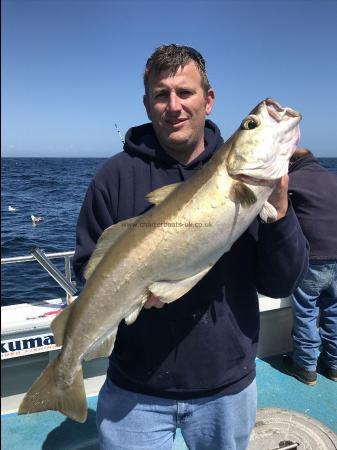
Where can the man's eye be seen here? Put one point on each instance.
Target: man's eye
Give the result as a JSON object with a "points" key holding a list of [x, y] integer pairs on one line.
{"points": [[184, 94], [160, 95]]}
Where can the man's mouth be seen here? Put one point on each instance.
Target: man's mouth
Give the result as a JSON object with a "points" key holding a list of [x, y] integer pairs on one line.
{"points": [[174, 122]]}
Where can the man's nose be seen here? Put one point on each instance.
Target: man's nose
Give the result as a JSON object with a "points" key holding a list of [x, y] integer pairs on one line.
{"points": [[174, 103]]}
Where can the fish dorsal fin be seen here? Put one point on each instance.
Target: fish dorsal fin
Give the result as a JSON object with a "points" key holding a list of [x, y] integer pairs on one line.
{"points": [[241, 193], [268, 212], [158, 195], [59, 324], [107, 238], [168, 291], [103, 347]]}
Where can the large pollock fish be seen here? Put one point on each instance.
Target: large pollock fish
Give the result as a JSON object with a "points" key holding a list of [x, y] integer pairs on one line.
{"points": [[156, 252]]}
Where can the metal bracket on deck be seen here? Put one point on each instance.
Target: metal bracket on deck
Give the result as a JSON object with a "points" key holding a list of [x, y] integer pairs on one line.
{"points": [[53, 271], [287, 445]]}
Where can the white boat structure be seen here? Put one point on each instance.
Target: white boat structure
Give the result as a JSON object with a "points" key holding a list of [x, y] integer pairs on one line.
{"points": [[27, 343], [27, 346]]}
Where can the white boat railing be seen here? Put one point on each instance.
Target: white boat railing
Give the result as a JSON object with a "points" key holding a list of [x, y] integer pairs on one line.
{"points": [[44, 259], [21, 259], [275, 318]]}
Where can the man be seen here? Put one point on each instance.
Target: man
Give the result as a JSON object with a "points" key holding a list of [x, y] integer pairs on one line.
{"points": [[189, 364], [313, 192]]}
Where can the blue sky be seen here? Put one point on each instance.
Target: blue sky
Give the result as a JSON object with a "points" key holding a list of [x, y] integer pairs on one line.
{"points": [[71, 69]]}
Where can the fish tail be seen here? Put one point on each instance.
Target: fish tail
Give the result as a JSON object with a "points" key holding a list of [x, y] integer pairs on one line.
{"points": [[49, 392]]}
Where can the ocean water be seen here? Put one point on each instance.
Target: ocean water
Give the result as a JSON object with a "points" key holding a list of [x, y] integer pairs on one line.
{"points": [[52, 188]]}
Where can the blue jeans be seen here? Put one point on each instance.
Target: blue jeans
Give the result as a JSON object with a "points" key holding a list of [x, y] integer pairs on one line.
{"points": [[315, 317], [131, 421]]}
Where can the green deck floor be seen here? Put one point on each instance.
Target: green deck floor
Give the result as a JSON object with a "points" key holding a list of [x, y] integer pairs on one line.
{"points": [[52, 431]]}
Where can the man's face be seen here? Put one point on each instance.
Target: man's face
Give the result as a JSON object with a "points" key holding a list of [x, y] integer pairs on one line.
{"points": [[177, 106]]}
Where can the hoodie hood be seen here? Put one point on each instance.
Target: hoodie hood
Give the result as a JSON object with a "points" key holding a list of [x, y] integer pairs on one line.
{"points": [[304, 161], [141, 141]]}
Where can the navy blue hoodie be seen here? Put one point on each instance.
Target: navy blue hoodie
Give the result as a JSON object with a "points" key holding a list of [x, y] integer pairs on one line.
{"points": [[206, 341], [313, 193]]}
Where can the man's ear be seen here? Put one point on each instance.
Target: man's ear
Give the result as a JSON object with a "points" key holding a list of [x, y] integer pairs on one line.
{"points": [[210, 99], [146, 103]]}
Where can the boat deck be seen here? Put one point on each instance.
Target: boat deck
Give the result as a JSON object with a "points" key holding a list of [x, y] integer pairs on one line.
{"points": [[51, 430]]}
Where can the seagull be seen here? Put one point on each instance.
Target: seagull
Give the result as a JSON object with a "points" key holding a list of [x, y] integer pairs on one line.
{"points": [[11, 208], [36, 219]]}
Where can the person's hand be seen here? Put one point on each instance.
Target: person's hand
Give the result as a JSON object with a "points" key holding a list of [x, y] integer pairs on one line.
{"points": [[279, 197], [153, 301]]}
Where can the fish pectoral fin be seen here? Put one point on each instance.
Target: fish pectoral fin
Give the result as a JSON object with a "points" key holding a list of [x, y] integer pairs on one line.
{"points": [[168, 291], [268, 212], [241, 193], [158, 195], [107, 238], [59, 324], [103, 347], [132, 316]]}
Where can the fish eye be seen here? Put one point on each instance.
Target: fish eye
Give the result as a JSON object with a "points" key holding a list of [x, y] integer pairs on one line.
{"points": [[249, 124]]}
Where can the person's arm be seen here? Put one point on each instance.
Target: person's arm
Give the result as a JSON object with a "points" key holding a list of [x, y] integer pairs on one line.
{"points": [[282, 250], [95, 216]]}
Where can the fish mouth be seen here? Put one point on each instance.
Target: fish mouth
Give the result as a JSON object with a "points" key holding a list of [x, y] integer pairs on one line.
{"points": [[279, 113], [276, 111]]}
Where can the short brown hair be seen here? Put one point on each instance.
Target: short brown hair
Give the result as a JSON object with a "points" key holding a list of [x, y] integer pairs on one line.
{"points": [[171, 57], [299, 153]]}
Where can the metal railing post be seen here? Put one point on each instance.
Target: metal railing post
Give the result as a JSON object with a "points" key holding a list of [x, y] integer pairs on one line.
{"points": [[67, 271], [53, 271]]}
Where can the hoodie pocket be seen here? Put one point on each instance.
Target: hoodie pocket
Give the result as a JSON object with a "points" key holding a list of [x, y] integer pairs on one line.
{"points": [[234, 347]]}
